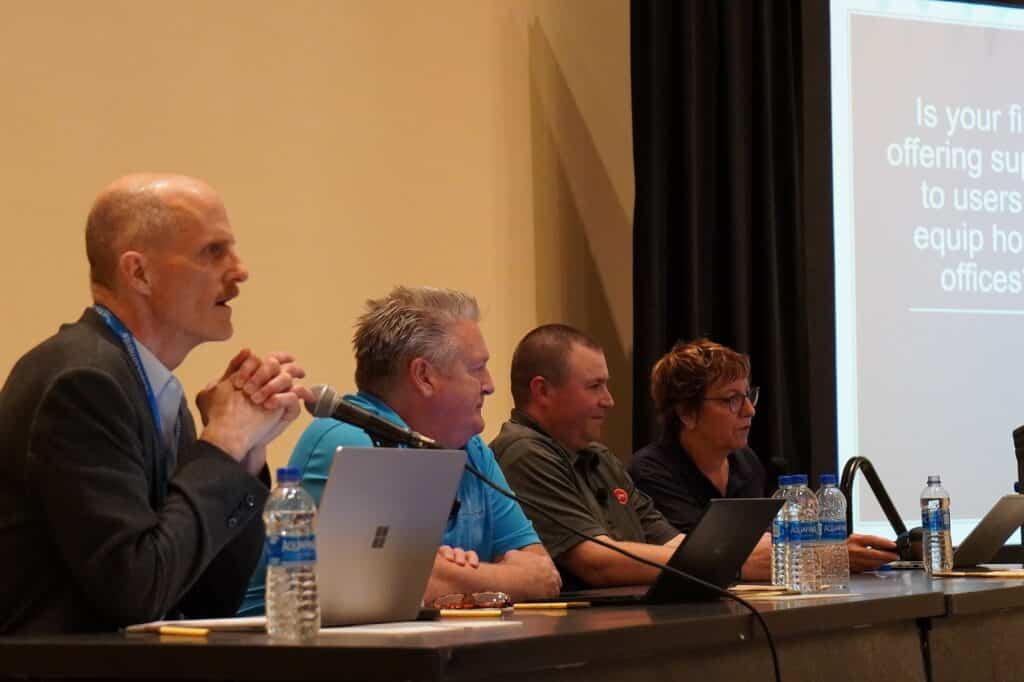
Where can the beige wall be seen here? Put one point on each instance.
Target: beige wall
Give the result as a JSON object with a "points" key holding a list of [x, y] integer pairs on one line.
{"points": [[476, 144]]}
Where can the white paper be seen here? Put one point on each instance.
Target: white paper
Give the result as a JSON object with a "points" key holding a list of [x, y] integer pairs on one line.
{"points": [[419, 627], [259, 624], [253, 623]]}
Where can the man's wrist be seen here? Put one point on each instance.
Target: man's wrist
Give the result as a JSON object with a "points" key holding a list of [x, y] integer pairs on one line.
{"points": [[255, 459], [233, 443]]}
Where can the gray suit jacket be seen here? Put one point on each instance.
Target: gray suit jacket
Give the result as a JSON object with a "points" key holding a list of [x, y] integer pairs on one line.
{"points": [[94, 533]]}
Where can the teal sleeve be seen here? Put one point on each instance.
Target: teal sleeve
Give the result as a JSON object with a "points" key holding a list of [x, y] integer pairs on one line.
{"points": [[314, 453]]}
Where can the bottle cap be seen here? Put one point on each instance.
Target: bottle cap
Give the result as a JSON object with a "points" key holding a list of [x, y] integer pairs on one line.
{"points": [[827, 479], [785, 480], [800, 479], [288, 475], [933, 479]]}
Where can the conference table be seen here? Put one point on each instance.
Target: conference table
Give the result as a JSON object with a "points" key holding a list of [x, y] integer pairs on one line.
{"points": [[895, 625]]}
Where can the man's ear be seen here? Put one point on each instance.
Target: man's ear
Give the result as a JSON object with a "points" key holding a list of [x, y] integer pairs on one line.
{"points": [[686, 418], [133, 268], [423, 377], [540, 390]]}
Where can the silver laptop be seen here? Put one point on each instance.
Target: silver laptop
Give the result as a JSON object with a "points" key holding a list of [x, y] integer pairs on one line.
{"points": [[380, 522], [982, 544]]}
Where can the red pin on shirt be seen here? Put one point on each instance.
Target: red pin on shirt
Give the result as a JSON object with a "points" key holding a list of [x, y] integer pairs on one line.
{"points": [[621, 495]]}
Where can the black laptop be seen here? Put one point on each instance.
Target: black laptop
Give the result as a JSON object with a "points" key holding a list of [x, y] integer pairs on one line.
{"points": [[713, 551]]}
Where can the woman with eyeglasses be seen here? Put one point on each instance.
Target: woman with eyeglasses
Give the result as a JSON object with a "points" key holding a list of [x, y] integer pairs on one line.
{"points": [[705, 404]]}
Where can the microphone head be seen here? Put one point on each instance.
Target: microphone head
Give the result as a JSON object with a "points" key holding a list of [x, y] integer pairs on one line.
{"points": [[326, 399]]}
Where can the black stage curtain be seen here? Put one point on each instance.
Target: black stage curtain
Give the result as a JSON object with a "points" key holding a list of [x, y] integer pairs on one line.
{"points": [[721, 247]]}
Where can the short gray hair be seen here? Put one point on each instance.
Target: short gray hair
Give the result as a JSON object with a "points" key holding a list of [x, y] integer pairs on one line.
{"points": [[408, 323], [122, 220]]}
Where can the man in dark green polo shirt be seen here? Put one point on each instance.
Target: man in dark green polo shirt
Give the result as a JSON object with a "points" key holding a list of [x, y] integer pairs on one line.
{"points": [[550, 456]]}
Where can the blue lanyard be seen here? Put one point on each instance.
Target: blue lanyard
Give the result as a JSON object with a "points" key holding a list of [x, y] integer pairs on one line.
{"points": [[128, 341]]}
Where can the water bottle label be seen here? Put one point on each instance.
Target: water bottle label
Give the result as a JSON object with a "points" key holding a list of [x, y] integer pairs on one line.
{"points": [[935, 519], [792, 532], [291, 551], [833, 531], [804, 531], [779, 534]]}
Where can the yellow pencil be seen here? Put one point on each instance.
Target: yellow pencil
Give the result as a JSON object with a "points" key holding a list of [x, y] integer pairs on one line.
{"points": [[183, 631], [552, 605], [471, 613]]}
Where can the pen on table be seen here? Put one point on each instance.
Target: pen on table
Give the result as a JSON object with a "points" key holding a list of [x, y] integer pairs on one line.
{"points": [[471, 613], [552, 605], [183, 631]]}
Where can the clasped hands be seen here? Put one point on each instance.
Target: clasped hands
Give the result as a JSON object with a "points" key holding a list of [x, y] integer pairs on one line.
{"points": [[251, 404]]}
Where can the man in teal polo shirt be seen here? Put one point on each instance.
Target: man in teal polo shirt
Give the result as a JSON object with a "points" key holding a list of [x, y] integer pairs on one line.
{"points": [[421, 362]]}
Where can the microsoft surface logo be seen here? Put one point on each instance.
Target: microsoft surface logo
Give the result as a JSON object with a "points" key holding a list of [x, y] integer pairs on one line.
{"points": [[380, 537]]}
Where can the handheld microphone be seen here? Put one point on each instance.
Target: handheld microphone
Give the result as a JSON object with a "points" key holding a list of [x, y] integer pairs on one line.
{"points": [[330, 403]]}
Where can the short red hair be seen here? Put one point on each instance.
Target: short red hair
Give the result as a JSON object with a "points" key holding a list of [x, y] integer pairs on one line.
{"points": [[683, 376]]}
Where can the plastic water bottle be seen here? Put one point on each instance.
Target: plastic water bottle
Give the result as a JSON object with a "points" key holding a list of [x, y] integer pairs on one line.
{"points": [[937, 545], [780, 541], [293, 608], [803, 532], [834, 556]]}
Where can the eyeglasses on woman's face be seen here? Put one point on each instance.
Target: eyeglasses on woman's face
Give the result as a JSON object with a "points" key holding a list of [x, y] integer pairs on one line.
{"points": [[736, 400]]}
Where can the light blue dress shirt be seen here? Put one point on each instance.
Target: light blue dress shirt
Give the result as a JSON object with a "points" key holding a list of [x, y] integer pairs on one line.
{"points": [[169, 393]]}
